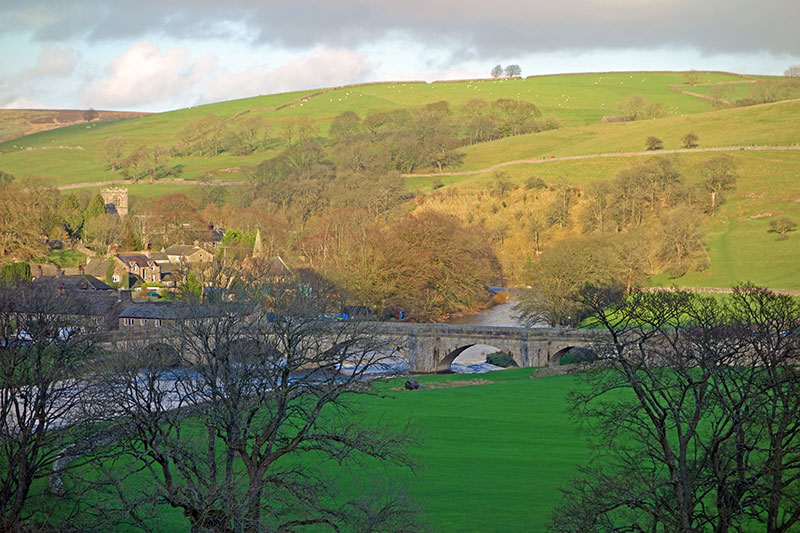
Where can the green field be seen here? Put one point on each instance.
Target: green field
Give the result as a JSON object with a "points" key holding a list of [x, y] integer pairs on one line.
{"points": [[491, 456], [494, 455]]}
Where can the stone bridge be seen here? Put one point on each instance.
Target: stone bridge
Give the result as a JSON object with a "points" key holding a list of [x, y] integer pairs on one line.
{"points": [[431, 348]]}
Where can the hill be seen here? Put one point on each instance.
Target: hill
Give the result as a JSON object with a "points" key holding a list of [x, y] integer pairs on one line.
{"points": [[16, 123], [585, 148]]}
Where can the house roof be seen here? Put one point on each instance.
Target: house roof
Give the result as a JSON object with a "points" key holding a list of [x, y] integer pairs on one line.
{"points": [[159, 257], [80, 296], [47, 269], [170, 268], [97, 267], [139, 259], [182, 249], [84, 282]]}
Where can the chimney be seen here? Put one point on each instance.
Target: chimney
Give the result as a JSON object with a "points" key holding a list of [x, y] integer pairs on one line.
{"points": [[80, 269], [39, 272]]}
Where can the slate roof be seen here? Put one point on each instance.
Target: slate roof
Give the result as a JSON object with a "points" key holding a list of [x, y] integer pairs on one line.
{"points": [[159, 257], [140, 259]]}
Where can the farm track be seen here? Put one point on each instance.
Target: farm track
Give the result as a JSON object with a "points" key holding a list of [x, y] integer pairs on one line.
{"points": [[603, 155], [468, 172]]}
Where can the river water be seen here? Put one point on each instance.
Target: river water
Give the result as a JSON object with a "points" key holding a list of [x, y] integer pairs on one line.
{"points": [[473, 360]]}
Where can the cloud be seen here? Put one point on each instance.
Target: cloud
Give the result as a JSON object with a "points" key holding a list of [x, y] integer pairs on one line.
{"points": [[490, 29], [144, 74], [145, 77], [320, 68], [55, 61], [20, 102]]}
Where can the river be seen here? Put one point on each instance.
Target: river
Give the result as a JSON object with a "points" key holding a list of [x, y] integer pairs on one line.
{"points": [[473, 360]]}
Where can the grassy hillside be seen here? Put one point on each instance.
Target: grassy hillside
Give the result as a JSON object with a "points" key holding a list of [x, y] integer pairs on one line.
{"points": [[15, 123], [576, 99], [768, 184], [737, 237]]}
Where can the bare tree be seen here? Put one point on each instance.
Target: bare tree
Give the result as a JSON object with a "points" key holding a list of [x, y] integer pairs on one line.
{"points": [[44, 345], [513, 70], [690, 413], [234, 439], [720, 176], [497, 71], [782, 226]]}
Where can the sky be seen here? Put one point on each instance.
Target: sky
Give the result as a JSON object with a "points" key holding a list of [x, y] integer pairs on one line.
{"points": [[157, 55]]}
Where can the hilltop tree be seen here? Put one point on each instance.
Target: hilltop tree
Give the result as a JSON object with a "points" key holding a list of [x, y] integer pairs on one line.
{"points": [[654, 143], [513, 70], [90, 114], [792, 71], [497, 71]]}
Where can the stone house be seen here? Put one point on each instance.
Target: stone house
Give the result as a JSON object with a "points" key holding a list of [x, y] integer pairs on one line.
{"points": [[140, 266]]}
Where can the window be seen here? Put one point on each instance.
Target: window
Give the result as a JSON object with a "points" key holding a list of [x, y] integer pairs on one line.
{"points": [[142, 322], [144, 274], [128, 321], [157, 322], [115, 278], [154, 278]]}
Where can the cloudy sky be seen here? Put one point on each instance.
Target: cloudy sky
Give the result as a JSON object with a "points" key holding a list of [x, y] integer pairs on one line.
{"points": [[154, 55]]}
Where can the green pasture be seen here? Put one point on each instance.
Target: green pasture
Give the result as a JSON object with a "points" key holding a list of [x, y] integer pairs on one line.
{"points": [[491, 457], [769, 124]]}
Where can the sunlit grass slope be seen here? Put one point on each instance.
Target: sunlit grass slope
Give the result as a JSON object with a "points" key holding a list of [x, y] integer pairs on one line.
{"points": [[768, 124], [577, 99]]}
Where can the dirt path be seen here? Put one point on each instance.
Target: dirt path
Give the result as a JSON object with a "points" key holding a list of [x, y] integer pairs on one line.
{"points": [[129, 182], [466, 172], [595, 156]]}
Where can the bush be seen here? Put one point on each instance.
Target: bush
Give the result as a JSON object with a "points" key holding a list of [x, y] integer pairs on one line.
{"points": [[535, 182]]}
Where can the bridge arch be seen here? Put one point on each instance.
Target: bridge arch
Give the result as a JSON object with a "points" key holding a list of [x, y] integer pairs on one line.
{"points": [[585, 354], [446, 362]]}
